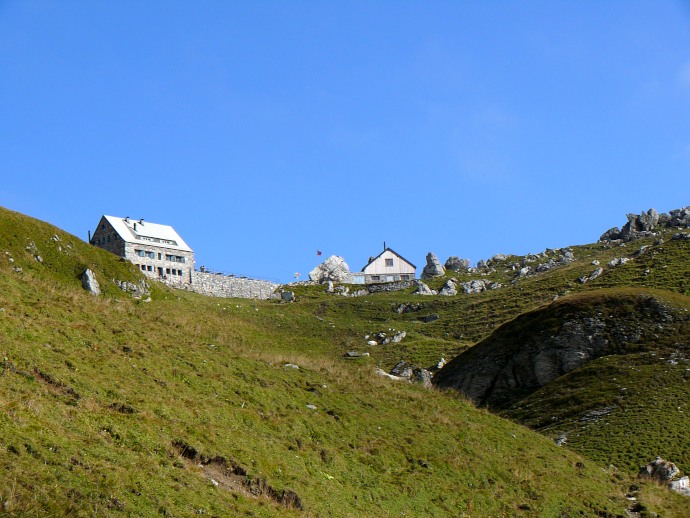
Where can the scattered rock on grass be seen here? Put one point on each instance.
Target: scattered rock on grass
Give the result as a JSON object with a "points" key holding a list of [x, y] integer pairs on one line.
{"points": [[411, 373], [382, 338], [618, 261], [475, 286], [384, 374], [355, 354], [137, 290], [449, 289], [423, 289], [586, 278], [89, 282], [407, 308], [666, 472], [660, 470]]}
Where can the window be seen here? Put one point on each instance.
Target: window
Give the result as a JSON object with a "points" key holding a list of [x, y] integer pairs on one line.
{"points": [[160, 256], [167, 270], [151, 255], [375, 278], [389, 262], [155, 239], [143, 267], [140, 253], [169, 257], [180, 259], [149, 268], [179, 272]]}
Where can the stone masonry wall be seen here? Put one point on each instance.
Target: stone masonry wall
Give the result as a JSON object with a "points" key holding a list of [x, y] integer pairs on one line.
{"points": [[176, 268], [227, 286], [173, 267]]}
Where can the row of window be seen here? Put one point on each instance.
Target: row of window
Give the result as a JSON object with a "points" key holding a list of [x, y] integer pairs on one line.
{"points": [[168, 257], [105, 239], [403, 277], [157, 240], [168, 271]]}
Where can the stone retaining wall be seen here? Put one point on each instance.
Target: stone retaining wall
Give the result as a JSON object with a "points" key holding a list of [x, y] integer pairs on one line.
{"points": [[228, 286]]}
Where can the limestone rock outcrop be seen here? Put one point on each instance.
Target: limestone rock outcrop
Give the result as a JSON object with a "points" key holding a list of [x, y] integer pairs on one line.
{"points": [[644, 224], [665, 472], [456, 264], [433, 267], [660, 470], [474, 286], [138, 290], [89, 282], [449, 289], [332, 269]]}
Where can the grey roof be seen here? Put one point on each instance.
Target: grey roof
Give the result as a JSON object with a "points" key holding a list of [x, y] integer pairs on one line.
{"points": [[145, 233]]}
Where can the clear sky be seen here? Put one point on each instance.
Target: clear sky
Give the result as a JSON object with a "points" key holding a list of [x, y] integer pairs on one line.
{"points": [[265, 131]]}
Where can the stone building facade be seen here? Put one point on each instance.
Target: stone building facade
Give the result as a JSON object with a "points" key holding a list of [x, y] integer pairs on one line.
{"points": [[157, 250], [161, 254]]}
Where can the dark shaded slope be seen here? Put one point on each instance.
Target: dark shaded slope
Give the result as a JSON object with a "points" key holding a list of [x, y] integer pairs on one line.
{"points": [[536, 348]]}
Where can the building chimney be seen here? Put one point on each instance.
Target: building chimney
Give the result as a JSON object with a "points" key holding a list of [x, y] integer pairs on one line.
{"points": [[384, 246]]}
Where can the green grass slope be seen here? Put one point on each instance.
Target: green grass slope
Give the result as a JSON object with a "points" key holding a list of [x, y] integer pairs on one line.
{"points": [[184, 406]]}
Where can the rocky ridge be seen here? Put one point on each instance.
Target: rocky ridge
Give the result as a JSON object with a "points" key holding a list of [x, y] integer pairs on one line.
{"points": [[644, 224]]}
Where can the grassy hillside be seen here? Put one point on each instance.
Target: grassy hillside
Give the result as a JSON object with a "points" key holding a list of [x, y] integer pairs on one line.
{"points": [[186, 405], [629, 405], [626, 406], [468, 318]]}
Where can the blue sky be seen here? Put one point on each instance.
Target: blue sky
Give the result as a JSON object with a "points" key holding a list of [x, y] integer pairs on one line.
{"points": [[264, 131]]}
